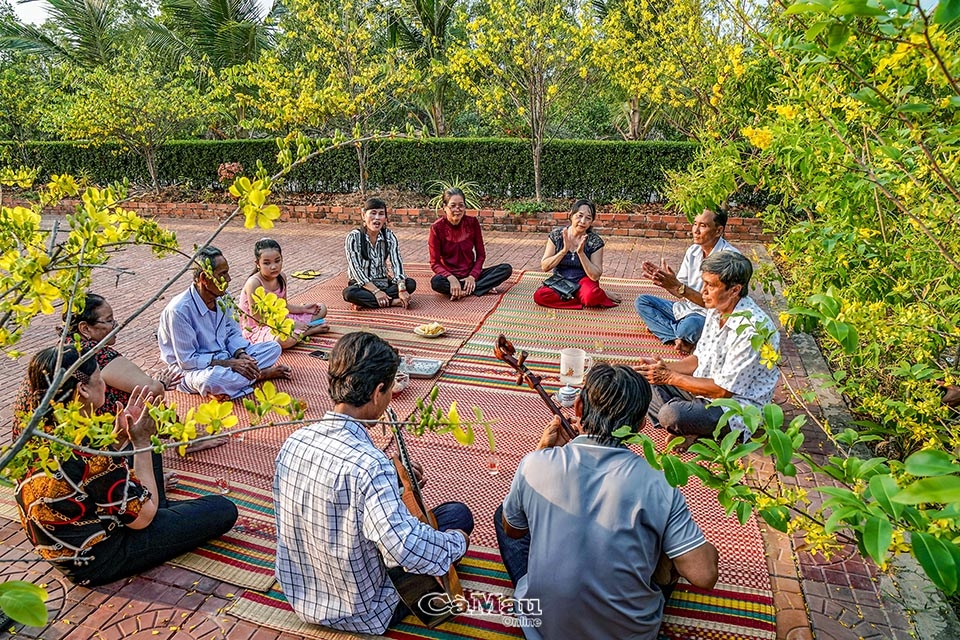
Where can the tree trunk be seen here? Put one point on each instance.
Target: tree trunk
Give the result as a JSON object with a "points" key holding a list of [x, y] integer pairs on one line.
{"points": [[633, 117], [150, 157], [362, 165], [537, 147]]}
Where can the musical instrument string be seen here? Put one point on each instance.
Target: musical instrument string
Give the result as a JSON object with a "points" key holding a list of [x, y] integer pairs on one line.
{"points": [[504, 350]]}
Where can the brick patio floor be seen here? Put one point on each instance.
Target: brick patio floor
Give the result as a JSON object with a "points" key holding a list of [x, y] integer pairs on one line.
{"points": [[838, 599]]}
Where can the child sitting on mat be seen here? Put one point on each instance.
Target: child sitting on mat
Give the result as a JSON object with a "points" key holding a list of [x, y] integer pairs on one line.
{"points": [[269, 275]]}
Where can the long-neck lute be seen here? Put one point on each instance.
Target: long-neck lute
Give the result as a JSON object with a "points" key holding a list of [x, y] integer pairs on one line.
{"points": [[414, 587], [505, 351]]}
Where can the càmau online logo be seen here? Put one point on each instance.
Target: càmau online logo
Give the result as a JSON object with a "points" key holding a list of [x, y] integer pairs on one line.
{"points": [[480, 603]]}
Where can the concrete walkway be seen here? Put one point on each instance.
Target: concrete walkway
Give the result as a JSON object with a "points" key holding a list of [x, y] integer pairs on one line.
{"points": [[838, 599]]}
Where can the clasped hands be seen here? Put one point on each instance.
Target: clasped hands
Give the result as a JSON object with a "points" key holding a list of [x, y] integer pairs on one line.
{"points": [[245, 364], [133, 422], [568, 242], [654, 370]]}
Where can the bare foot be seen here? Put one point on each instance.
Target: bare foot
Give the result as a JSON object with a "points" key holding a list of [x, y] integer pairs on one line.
{"points": [[396, 302], [170, 480], [687, 442], [281, 371], [683, 347], [315, 331], [358, 307], [322, 313], [616, 297]]}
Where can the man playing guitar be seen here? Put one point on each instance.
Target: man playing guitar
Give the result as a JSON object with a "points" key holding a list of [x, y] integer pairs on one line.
{"points": [[341, 523]]}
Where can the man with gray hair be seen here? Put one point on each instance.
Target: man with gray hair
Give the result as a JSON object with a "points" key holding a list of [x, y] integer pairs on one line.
{"points": [[724, 364]]}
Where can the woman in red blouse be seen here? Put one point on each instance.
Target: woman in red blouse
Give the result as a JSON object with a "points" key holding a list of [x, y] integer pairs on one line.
{"points": [[100, 518], [457, 253]]}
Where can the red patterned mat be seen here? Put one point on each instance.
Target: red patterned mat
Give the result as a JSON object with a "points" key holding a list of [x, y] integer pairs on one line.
{"points": [[245, 555], [740, 607], [483, 578], [616, 335], [459, 318]]}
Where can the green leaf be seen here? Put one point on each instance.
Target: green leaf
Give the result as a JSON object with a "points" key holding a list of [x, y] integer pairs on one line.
{"points": [[947, 11], [828, 305], [743, 510], [915, 107], [782, 448], [931, 463], [937, 561], [777, 517], [650, 453], [883, 488], [675, 471], [877, 536], [803, 7], [815, 30], [943, 489], [23, 602], [772, 416]]}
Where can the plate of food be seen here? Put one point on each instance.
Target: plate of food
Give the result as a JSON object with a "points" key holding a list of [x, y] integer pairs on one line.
{"points": [[432, 330]]}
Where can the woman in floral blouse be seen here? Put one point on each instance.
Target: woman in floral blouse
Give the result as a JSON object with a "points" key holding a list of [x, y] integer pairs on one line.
{"points": [[100, 518]]}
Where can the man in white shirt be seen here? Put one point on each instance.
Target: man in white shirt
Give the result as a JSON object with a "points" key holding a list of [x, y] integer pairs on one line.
{"points": [[725, 363], [680, 323]]}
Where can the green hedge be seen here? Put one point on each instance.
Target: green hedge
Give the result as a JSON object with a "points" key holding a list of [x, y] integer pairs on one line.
{"points": [[600, 170]]}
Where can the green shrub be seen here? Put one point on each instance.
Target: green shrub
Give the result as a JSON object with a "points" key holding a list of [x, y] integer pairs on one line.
{"points": [[599, 170]]}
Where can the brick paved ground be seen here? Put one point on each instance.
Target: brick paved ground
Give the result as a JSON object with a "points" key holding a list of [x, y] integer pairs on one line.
{"points": [[840, 598]]}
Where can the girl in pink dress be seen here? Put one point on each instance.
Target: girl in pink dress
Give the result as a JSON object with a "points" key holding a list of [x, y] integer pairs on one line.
{"points": [[269, 275]]}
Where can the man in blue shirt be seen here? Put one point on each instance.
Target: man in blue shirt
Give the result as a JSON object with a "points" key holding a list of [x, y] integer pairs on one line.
{"points": [[589, 531], [203, 341]]}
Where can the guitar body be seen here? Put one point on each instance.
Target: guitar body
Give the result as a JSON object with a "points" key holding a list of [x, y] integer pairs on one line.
{"points": [[414, 588]]}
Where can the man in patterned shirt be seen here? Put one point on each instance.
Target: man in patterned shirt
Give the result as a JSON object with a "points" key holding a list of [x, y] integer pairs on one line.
{"points": [[340, 520], [724, 364]]}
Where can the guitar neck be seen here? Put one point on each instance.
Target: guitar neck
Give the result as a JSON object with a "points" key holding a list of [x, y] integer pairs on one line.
{"points": [[406, 460]]}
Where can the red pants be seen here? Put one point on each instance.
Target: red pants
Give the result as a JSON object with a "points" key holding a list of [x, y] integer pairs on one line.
{"points": [[588, 295]]}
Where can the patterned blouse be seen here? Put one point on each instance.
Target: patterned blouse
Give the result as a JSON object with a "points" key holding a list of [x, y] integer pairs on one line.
{"points": [[104, 357], [67, 514], [570, 267]]}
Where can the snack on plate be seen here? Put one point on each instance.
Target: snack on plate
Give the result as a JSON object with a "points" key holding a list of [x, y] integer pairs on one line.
{"points": [[432, 329]]}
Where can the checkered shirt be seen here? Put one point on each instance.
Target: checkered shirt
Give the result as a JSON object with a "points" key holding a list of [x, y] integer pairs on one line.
{"points": [[341, 523]]}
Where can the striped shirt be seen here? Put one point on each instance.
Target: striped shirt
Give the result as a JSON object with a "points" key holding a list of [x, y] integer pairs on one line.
{"points": [[360, 270], [341, 524]]}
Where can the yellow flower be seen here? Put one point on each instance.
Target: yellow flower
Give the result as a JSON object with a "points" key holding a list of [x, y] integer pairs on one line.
{"points": [[760, 138], [787, 111], [769, 356]]}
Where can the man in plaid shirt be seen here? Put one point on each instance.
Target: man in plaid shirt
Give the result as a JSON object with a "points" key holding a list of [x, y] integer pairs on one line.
{"points": [[340, 520]]}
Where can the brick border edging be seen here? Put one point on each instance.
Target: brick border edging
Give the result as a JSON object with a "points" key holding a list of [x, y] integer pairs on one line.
{"points": [[649, 221]]}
